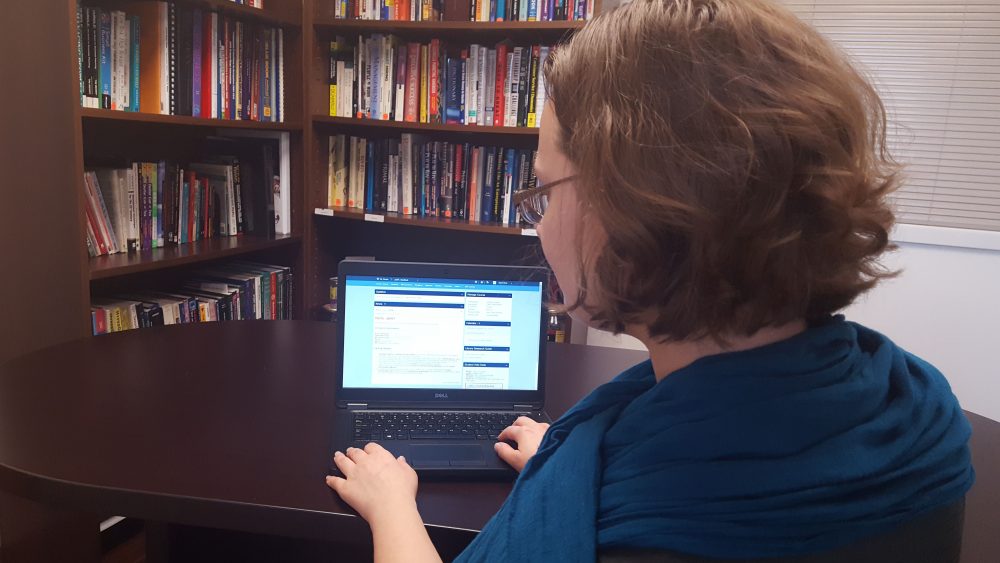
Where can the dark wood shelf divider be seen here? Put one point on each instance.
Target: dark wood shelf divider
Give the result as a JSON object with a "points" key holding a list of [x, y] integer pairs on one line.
{"points": [[184, 120], [242, 11], [427, 222], [113, 265], [413, 126]]}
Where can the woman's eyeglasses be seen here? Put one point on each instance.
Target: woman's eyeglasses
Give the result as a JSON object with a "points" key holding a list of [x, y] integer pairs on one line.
{"points": [[533, 202]]}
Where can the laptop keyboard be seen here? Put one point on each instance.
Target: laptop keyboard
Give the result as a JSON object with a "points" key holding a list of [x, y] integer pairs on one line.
{"points": [[416, 425]]}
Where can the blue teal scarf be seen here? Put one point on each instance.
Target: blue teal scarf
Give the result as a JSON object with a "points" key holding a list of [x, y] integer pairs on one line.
{"points": [[798, 447]]}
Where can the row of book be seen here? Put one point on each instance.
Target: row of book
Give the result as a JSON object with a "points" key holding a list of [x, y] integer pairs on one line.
{"points": [[147, 205], [471, 10], [384, 78], [412, 175], [223, 292], [176, 59]]}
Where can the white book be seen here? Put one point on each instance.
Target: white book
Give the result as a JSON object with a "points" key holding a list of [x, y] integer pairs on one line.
{"points": [[471, 86], [214, 70], [540, 95], [342, 89], [124, 64], [385, 91], [281, 73], [406, 166], [481, 67]]}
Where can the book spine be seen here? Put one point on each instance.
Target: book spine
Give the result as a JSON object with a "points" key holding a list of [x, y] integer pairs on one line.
{"points": [[79, 53], [500, 86], [412, 82], [134, 35], [453, 100], [521, 117], [498, 186], [472, 86], [105, 50], [463, 87], [489, 172], [541, 97], [196, 67], [172, 55], [435, 112], [514, 72], [533, 89], [406, 153], [402, 58]]}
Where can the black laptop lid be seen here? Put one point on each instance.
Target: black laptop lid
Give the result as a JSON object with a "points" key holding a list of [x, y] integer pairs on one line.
{"points": [[441, 335]]}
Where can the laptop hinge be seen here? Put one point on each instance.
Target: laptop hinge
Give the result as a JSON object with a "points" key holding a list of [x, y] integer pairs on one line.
{"points": [[357, 405]]}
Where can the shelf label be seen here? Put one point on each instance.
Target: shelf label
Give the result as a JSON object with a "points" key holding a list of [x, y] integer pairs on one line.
{"points": [[324, 211], [374, 217], [529, 232]]}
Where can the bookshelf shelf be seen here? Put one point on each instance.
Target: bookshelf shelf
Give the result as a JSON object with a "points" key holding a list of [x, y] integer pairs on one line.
{"points": [[426, 222], [114, 265], [493, 28], [183, 120], [436, 127]]}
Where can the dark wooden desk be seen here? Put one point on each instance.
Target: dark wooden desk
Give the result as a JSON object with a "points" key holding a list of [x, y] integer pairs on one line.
{"points": [[228, 426]]}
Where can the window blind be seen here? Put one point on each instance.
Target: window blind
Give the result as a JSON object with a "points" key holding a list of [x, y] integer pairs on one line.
{"points": [[936, 64]]}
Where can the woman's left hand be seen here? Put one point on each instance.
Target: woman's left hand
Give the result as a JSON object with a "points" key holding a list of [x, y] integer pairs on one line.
{"points": [[376, 484]]}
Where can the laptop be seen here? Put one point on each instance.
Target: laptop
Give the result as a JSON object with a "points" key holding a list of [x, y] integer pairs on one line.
{"points": [[434, 360]]}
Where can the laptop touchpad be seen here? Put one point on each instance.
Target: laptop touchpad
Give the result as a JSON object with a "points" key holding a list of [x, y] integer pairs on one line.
{"points": [[436, 455]]}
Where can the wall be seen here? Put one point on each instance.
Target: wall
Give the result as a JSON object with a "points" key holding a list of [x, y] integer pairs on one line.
{"points": [[944, 307]]}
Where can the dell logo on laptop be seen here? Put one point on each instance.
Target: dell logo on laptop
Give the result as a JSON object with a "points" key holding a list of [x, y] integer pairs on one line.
{"points": [[440, 395]]}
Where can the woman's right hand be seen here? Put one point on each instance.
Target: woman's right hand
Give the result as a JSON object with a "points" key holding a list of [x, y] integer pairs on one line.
{"points": [[527, 434]]}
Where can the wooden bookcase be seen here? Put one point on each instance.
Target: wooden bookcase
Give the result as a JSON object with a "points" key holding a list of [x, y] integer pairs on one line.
{"points": [[339, 232], [106, 136], [320, 236]]}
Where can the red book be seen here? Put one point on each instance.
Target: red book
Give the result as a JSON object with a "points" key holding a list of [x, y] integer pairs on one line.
{"points": [[433, 90], [412, 108], [207, 48], [498, 97], [100, 321]]}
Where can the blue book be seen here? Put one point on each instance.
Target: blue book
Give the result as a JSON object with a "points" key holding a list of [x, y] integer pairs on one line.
{"points": [[501, 9], [196, 69], [105, 59], [134, 61], [452, 96], [532, 10], [370, 177], [489, 173]]}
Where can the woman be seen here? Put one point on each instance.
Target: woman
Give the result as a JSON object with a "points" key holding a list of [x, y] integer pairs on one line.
{"points": [[715, 179]]}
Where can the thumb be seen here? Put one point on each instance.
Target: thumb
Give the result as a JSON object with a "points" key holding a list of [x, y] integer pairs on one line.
{"points": [[513, 457]]}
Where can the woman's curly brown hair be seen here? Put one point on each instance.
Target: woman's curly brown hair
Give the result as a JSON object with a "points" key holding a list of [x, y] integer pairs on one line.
{"points": [[735, 159]]}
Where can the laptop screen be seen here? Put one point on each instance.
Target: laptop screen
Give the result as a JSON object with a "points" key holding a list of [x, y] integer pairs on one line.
{"points": [[429, 333]]}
